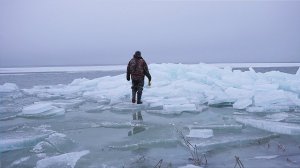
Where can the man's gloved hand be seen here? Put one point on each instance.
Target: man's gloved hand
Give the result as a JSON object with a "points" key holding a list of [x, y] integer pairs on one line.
{"points": [[149, 82], [128, 77]]}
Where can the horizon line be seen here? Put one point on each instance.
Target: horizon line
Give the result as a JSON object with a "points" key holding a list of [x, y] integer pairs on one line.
{"points": [[122, 67]]}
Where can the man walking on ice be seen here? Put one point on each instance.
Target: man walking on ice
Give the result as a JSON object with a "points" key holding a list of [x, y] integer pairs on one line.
{"points": [[137, 68]]}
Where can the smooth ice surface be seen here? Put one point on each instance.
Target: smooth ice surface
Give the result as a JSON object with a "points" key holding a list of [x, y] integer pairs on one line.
{"points": [[272, 126], [67, 160]]}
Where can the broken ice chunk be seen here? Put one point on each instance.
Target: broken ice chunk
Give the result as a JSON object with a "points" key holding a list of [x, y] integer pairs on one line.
{"points": [[242, 103], [8, 87], [41, 109], [37, 107]]}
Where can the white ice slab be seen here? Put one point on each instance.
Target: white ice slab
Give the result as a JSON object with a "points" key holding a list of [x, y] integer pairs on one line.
{"points": [[37, 107], [218, 126], [41, 109], [272, 126], [200, 133], [64, 160], [180, 107]]}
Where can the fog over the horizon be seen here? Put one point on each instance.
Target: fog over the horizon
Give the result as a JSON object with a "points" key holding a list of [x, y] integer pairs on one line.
{"points": [[97, 32]]}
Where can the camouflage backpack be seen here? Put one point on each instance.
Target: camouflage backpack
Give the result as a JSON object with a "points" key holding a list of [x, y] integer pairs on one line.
{"points": [[137, 68]]}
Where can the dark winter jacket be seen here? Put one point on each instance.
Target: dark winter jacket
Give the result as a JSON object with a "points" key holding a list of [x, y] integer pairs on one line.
{"points": [[137, 68]]}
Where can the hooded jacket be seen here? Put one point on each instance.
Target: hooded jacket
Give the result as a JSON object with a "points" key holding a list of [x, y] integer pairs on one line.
{"points": [[137, 68]]}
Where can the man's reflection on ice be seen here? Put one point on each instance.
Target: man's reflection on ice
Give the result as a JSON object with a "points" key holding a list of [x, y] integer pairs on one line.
{"points": [[137, 120]]}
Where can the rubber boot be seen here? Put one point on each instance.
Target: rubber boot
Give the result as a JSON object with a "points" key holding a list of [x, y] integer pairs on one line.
{"points": [[133, 96], [139, 97]]}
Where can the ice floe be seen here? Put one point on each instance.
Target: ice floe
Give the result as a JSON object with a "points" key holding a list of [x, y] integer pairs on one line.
{"points": [[272, 126], [206, 144], [54, 143]]}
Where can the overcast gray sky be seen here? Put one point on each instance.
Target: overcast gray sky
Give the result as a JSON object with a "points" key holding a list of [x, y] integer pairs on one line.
{"points": [[97, 32]]}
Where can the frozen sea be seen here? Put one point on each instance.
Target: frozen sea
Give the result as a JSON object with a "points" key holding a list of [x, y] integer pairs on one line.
{"points": [[200, 115]]}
